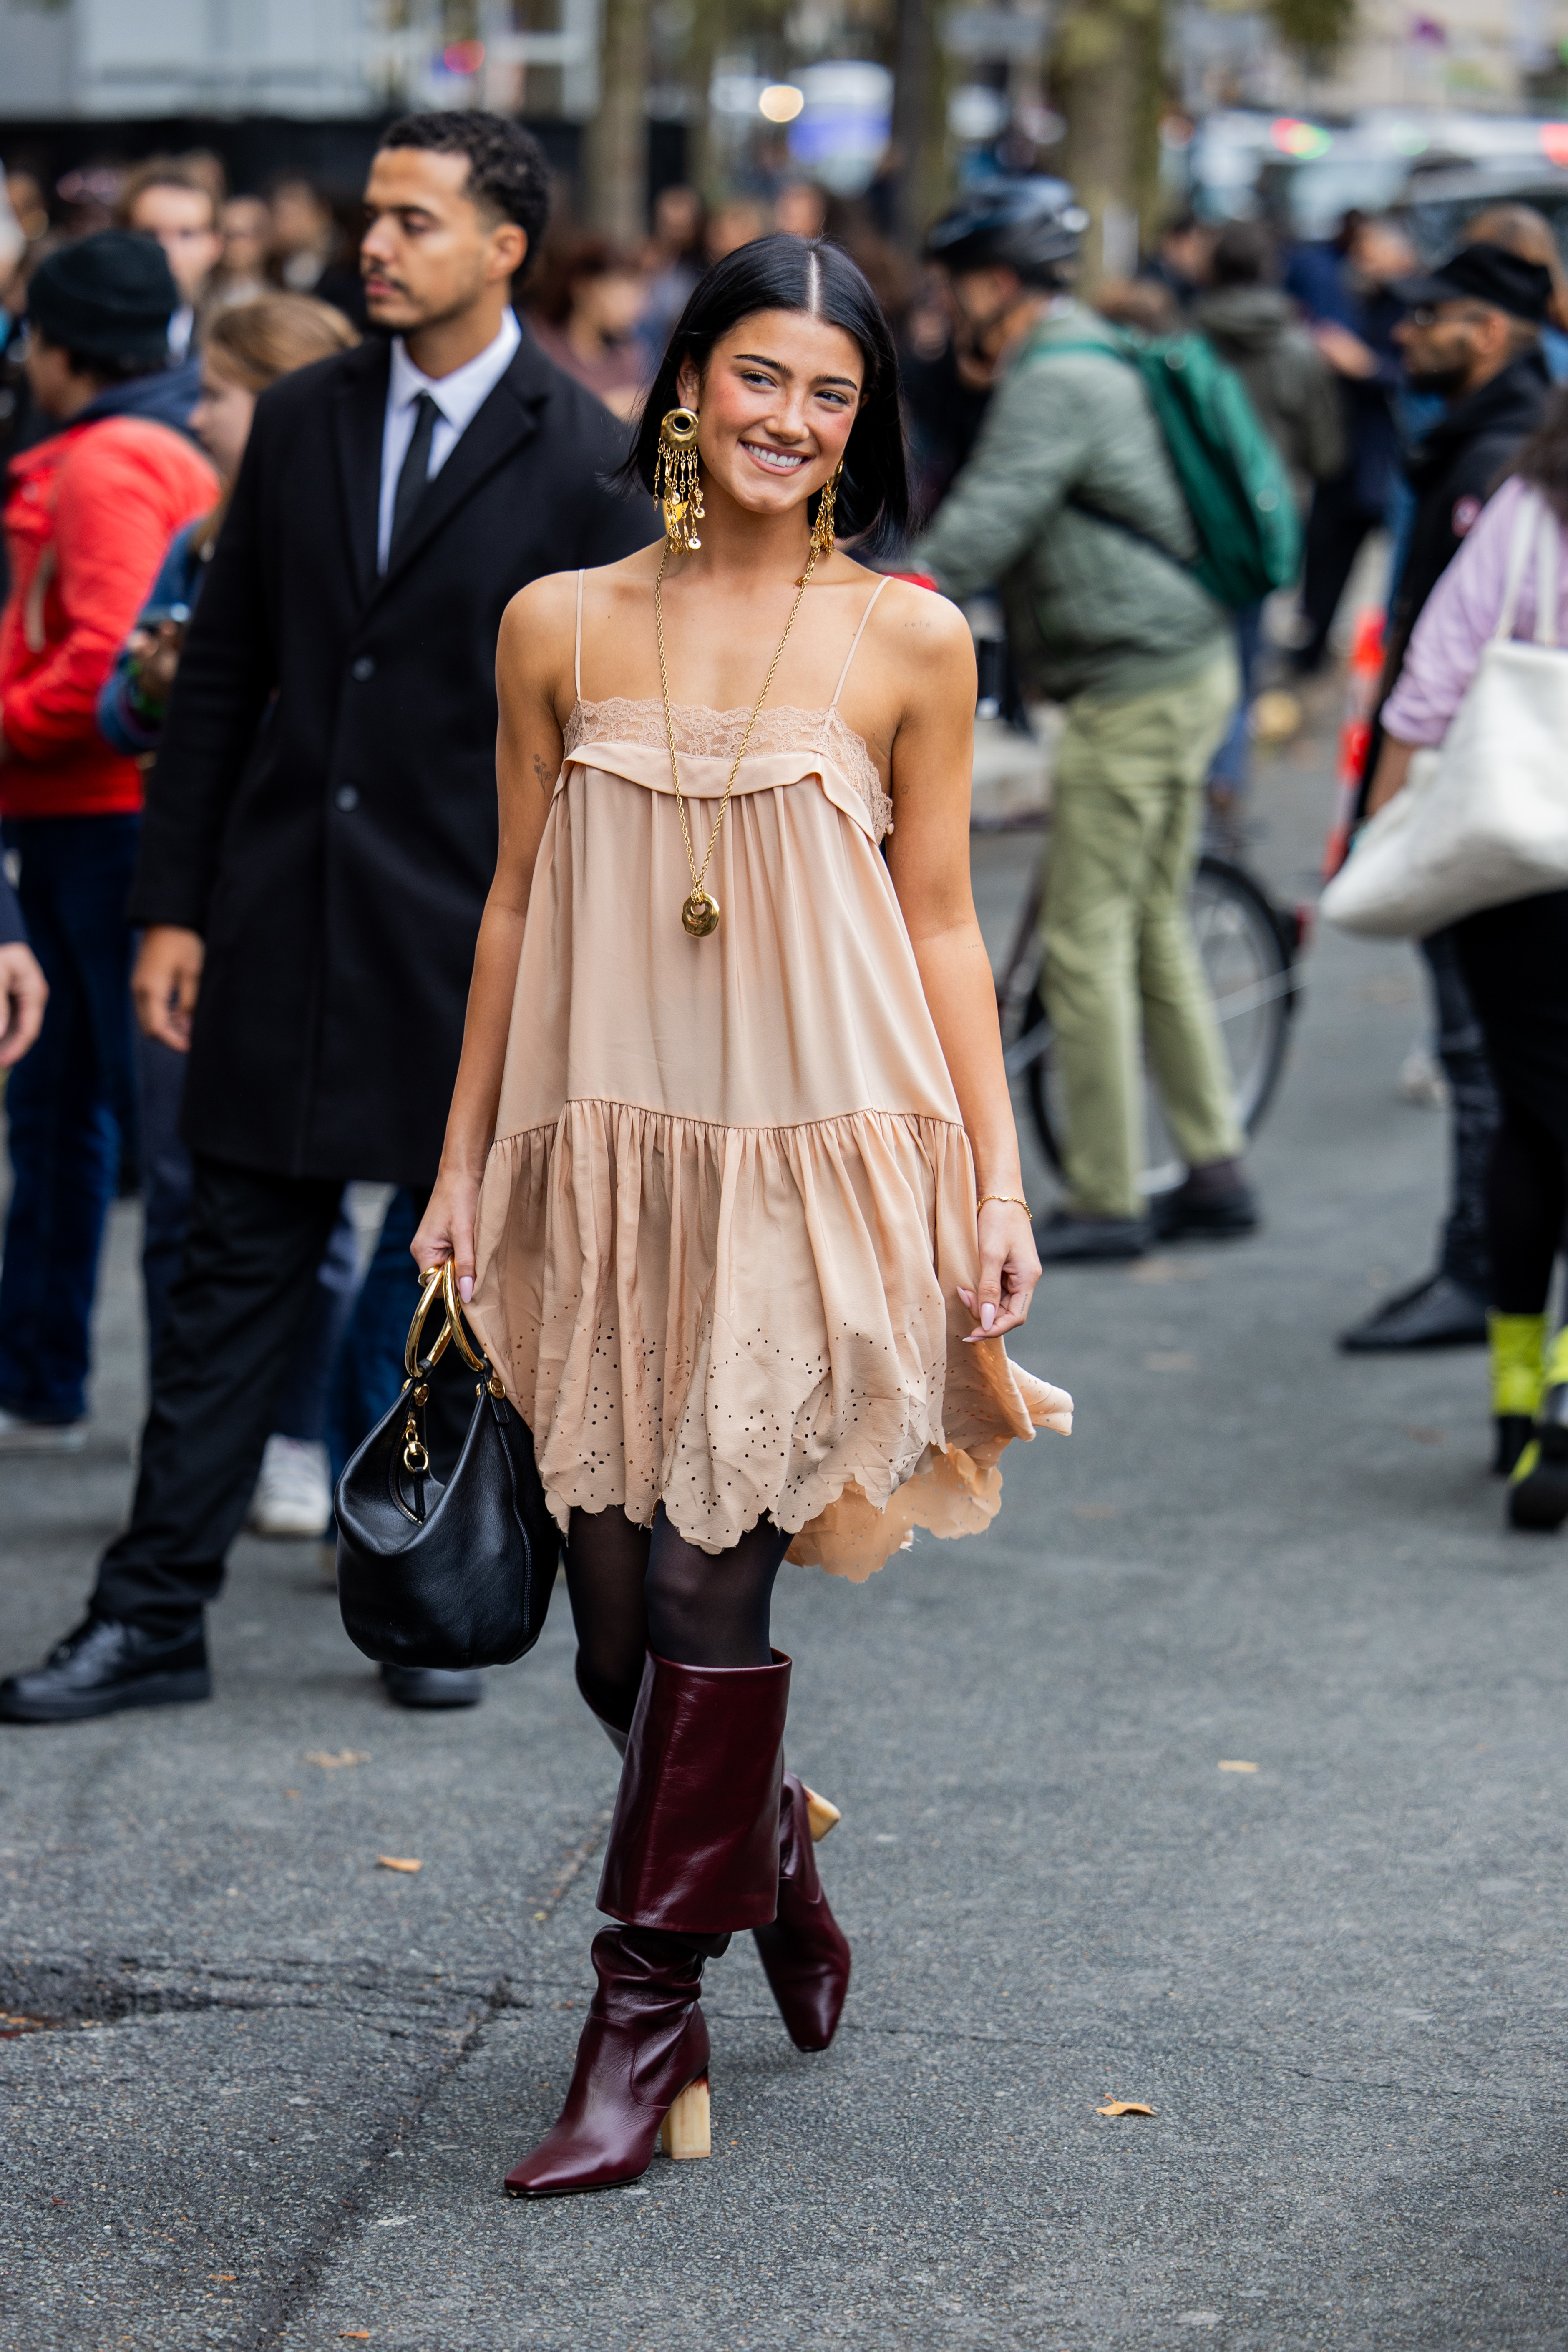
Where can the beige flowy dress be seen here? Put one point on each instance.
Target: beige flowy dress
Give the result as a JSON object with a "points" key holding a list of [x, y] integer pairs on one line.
{"points": [[730, 1200]]}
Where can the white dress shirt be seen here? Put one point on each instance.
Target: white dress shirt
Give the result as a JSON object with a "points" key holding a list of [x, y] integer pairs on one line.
{"points": [[459, 397]]}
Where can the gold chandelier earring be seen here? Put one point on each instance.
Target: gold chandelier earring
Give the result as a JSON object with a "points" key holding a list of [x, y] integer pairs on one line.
{"points": [[822, 529], [677, 478]]}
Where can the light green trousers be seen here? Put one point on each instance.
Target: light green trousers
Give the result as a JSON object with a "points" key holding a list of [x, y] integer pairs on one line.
{"points": [[1122, 975]]}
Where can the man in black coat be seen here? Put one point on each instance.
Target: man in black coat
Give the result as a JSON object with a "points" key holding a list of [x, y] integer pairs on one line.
{"points": [[321, 832], [1471, 334]]}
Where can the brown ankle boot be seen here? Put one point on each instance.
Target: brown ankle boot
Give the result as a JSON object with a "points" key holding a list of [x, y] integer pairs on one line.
{"points": [[804, 1952], [693, 1856]]}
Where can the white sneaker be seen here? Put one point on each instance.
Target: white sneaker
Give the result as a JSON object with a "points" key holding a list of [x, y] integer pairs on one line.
{"points": [[19, 1436], [293, 1494]]}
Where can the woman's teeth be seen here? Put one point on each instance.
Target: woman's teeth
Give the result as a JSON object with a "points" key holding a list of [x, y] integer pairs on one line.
{"points": [[778, 461]]}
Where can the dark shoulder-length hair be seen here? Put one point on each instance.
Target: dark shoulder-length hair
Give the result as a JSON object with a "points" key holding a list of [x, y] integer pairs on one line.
{"points": [[1542, 459], [814, 276]]}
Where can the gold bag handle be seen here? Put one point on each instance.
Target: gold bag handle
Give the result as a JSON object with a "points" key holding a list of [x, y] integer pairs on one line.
{"points": [[441, 1278]]}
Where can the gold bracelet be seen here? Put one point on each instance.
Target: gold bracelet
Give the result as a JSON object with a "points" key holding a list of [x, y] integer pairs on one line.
{"points": [[1011, 1197]]}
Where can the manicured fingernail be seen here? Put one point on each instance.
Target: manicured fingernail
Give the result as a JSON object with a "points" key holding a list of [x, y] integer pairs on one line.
{"points": [[466, 1287], [987, 1316]]}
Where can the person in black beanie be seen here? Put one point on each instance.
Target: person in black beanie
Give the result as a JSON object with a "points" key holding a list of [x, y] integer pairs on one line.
{"points": [[320, 836], [90, 513]]}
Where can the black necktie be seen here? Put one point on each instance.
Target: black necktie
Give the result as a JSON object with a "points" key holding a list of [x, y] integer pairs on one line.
{"points": [[415, 471]]}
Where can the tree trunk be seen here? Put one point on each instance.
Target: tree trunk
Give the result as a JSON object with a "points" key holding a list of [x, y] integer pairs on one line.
{"points": [[617, 136], [1105, 73], [917, 130]]}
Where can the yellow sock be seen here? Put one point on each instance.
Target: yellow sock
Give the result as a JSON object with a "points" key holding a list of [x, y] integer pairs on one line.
{"points": [[1557, 1359], [1518, 1344]]}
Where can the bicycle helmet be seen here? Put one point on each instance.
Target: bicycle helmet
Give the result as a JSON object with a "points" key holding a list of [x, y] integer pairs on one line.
{"points": [[1035, 230]]}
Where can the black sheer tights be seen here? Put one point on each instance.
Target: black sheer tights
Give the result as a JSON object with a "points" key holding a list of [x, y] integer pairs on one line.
{"points": [[638, 1589], [1526, 1192]]}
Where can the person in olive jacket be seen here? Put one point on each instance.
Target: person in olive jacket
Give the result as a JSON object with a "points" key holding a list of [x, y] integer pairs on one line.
{"points": [[321, 831]]}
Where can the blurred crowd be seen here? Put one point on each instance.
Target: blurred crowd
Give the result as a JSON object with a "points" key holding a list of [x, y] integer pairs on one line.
{"points": [[1390, 399]]}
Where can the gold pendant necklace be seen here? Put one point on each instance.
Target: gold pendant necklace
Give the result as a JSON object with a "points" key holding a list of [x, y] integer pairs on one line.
{"points": [[700, 910]]}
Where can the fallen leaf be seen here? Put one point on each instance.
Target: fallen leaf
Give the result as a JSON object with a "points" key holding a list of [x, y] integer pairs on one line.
{"points": [[355, 2334], [391, 1861], [1232, 1764], [330, 1763], [1124, 2107], [226, 2276]]}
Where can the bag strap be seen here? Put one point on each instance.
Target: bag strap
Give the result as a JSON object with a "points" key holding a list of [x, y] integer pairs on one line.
{"points": [[1548, 546], [1524, 529]]}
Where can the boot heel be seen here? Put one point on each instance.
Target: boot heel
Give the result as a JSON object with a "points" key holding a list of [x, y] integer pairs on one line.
{"points": [[820, 1816], [684, 2131]]}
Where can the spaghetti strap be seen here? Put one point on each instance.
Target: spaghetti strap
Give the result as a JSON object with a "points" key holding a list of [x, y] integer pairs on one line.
{"points": [[577, 648], [855, 640]]}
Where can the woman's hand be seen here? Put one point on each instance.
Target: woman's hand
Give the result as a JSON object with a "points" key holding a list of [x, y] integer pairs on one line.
{"points": [[1009, 1269], [447, 1229]]}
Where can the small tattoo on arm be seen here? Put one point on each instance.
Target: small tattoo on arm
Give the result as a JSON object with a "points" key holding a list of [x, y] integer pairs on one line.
{"points": [[542, 769]]}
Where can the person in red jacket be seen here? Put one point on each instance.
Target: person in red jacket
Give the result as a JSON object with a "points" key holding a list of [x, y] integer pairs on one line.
{"points": [[88, 514]]}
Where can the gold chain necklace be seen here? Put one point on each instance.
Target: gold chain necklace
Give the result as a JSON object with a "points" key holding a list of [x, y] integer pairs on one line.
{"points": [[699, 912]]}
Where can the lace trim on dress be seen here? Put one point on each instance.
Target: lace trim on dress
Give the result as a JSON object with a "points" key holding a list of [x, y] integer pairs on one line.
{"points": [[716, 734]]}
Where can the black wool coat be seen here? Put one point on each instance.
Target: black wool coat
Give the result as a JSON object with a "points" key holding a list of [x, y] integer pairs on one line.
{"points": [[324, 807]]}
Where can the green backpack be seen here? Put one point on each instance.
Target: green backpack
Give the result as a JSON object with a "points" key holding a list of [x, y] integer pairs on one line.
{"points": [[1229, 468]]}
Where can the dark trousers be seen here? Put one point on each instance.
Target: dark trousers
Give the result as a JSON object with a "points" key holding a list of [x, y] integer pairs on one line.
{"points": [[1336, 528], [1473, 1116], [70, 1106], [369, 1372], [235, 1314], [166, 1183]]}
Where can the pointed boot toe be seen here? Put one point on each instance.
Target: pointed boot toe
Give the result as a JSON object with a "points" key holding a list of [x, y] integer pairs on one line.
{"points": [[804, 1952]]}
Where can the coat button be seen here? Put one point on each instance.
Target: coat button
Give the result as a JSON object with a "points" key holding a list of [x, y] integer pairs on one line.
{"points": [[362, 669], [347, 797]]}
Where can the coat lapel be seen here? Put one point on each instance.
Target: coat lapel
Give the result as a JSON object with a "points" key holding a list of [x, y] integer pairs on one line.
{"points": [[359, 422], [508, 418]]}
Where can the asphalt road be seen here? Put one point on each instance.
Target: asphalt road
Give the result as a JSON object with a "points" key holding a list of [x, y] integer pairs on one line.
{"points": [[275, 2084]]}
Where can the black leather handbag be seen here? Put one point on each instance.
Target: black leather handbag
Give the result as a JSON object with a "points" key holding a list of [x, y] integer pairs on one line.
{"points": [[451, 1576]]}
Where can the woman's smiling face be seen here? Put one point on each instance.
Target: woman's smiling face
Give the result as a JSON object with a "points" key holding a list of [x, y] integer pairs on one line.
{"points": [[777, 400]]}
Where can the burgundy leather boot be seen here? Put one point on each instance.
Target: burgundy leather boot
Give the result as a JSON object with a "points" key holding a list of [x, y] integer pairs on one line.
{"points": [[693, 1856], [804, 1952]]}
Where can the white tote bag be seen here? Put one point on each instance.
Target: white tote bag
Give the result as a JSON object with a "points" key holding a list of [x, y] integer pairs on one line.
{"points": [[1485, 818]]}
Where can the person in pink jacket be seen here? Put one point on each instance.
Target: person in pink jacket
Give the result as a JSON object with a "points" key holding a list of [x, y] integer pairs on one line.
{"points": [[1515, 963]]}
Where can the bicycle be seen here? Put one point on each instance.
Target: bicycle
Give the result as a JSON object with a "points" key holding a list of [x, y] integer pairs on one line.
{"points": [[1251, 948]]}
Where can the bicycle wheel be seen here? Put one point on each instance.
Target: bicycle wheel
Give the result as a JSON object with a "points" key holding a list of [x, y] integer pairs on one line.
{"points": [[1248, 955]]}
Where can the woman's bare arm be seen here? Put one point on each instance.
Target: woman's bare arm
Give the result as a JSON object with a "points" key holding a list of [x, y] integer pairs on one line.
{"points": [[933, 759], [1393, 770], [533, 668]]}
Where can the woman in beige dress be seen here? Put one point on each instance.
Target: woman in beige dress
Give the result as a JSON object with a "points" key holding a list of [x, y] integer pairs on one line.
{"points": [[731, 1178]]}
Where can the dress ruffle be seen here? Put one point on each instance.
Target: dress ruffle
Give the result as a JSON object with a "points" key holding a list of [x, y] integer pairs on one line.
{"points": [[741, 1321]]}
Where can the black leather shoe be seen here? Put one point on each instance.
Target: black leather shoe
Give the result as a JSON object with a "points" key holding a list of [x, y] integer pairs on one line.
{"points": [[1064, 1239], [1439, 1313], [1511, 1434], [1193, 1210], [1538, 1490], [105, 1665], [433, 1686]]}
